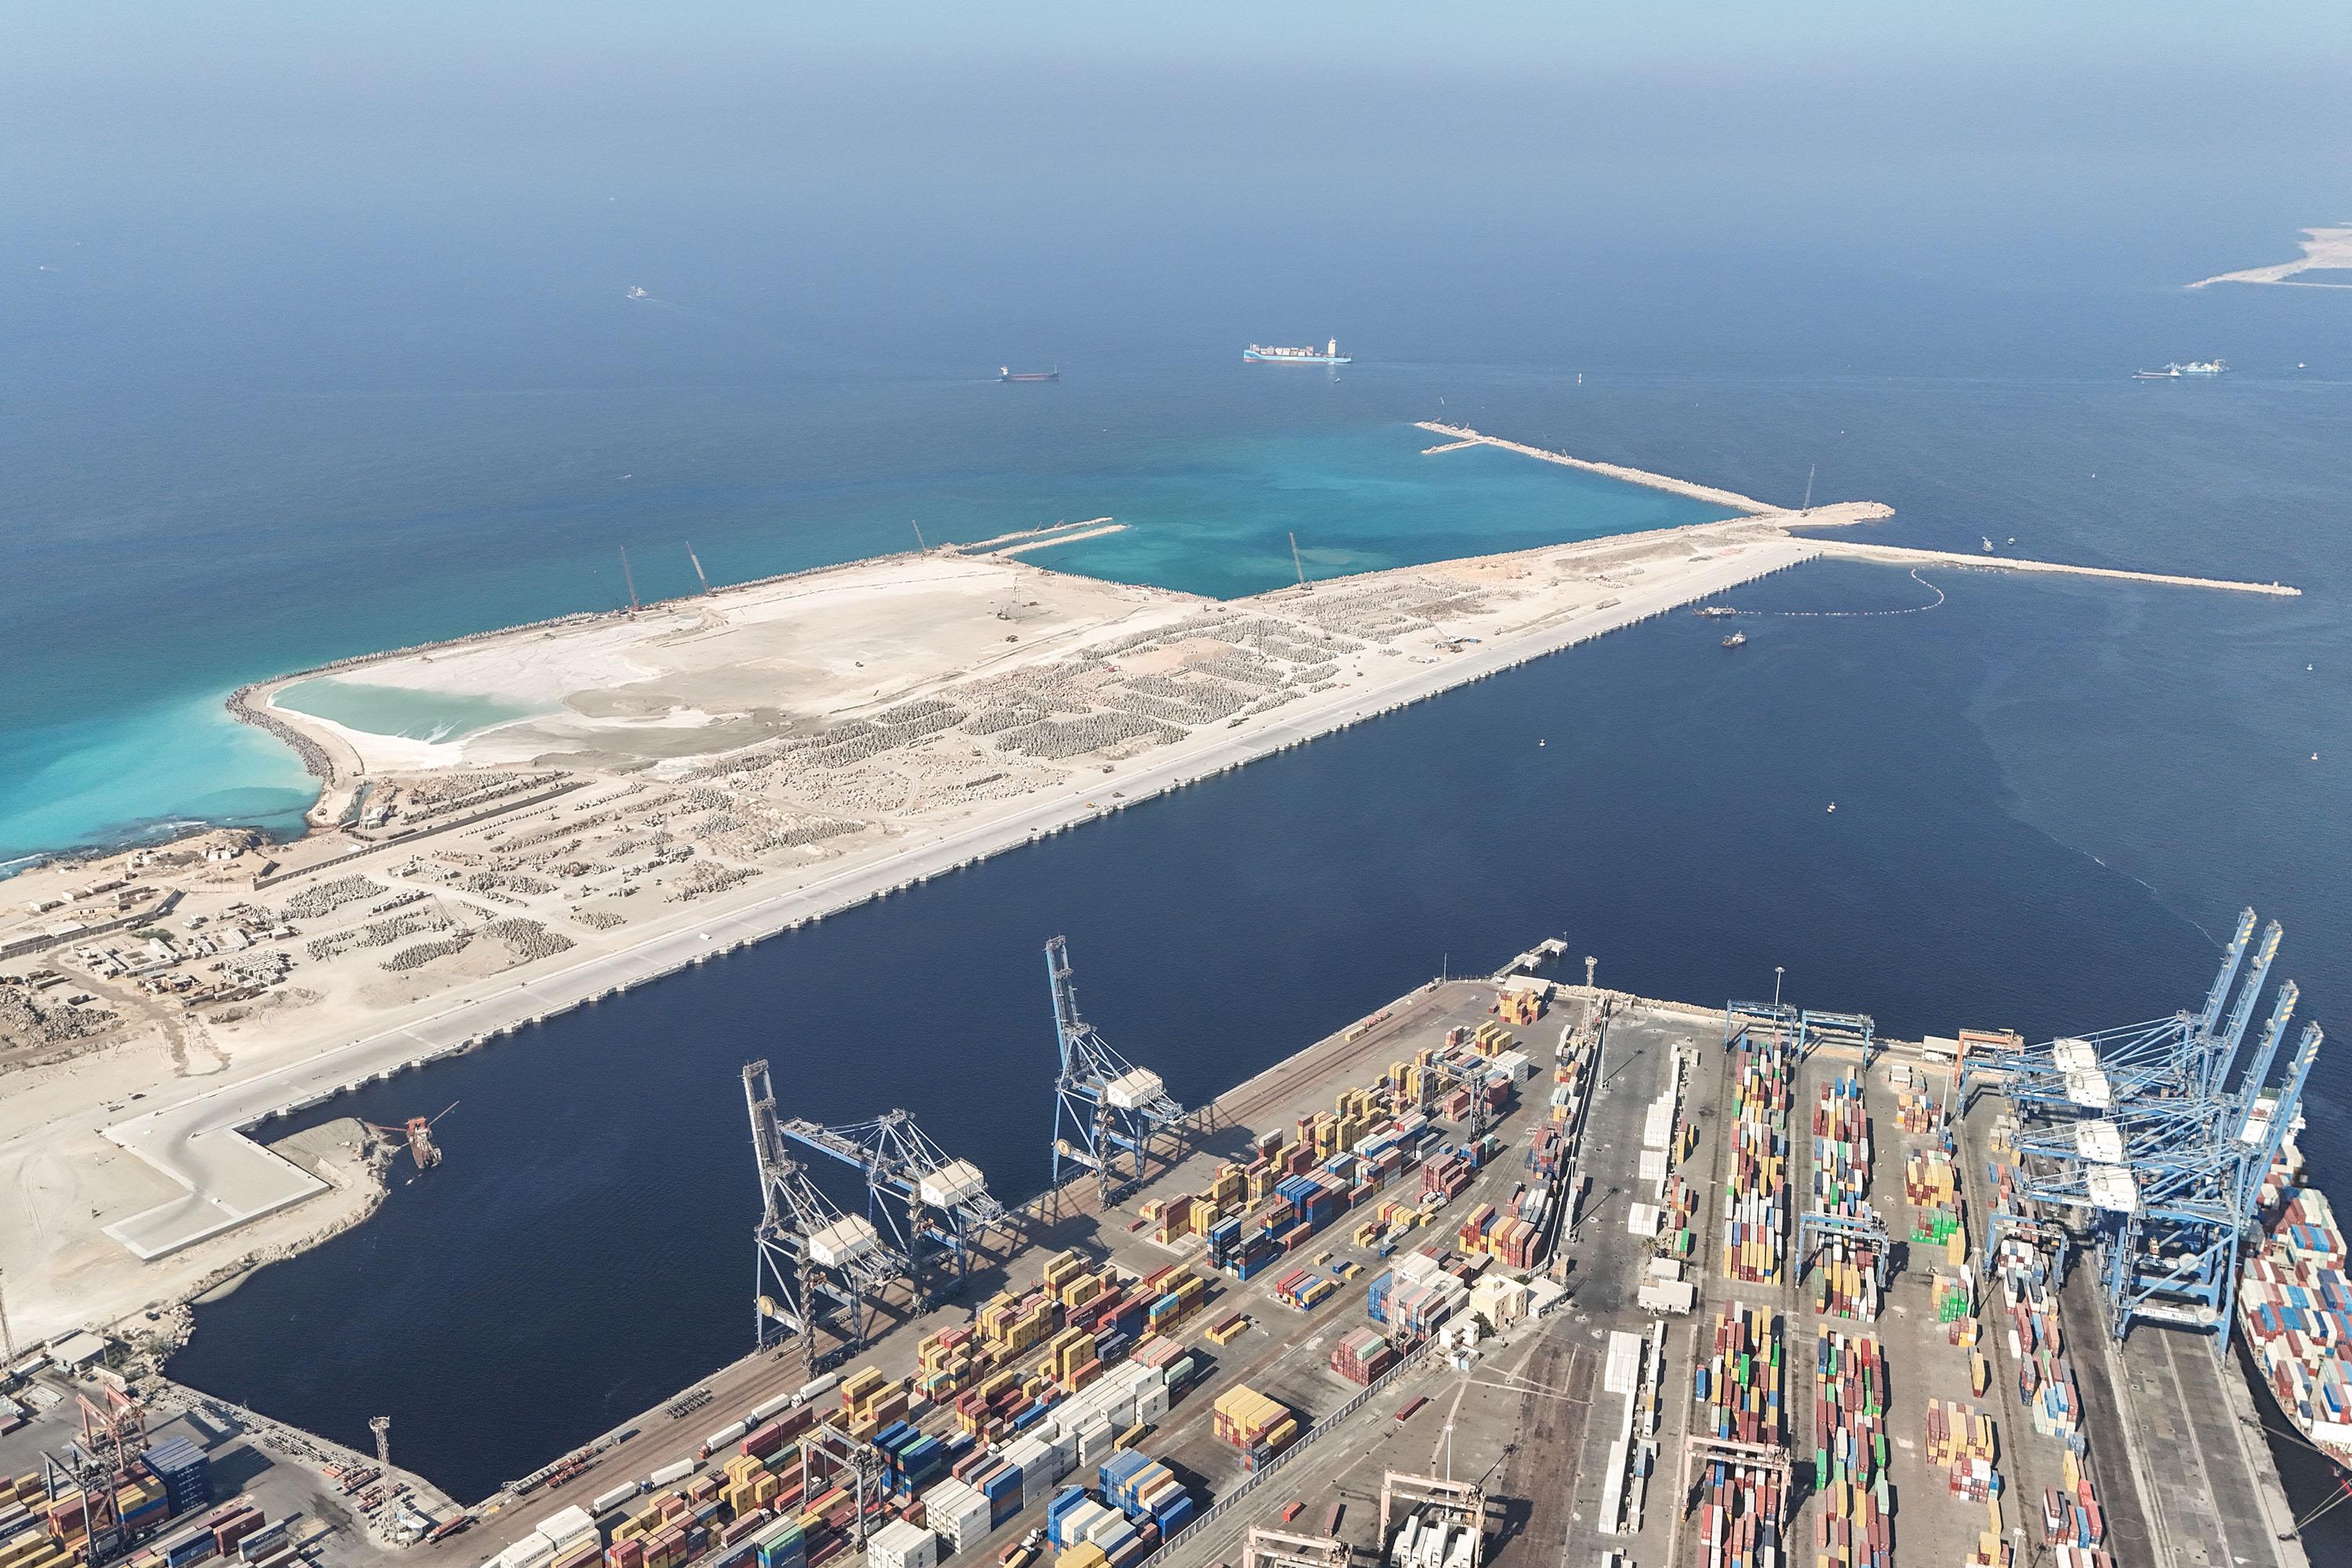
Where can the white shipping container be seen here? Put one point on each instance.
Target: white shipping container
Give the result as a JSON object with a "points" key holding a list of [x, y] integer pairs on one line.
{"points": [[566, 1525], [958, 1513], [765, 1408], [899, 1544], [724, 1436], [1151, 1405], [1095, 1439], [1034, 1459], [1064, 1443], [528, 1552], [816, 1385], [616, 1497], [676, 1472]]}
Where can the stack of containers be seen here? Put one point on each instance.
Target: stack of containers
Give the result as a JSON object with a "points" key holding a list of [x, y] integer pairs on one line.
{"points": [[1962, 1442], [899, 1544], [1755, 1194], [1067, 1515], [1362, 1355], [1449, 1172], [1854, 1529], [1844, 1283], [1414, 1297], [186, 1472], [1739, 1521], [1248, 1420], [1737, 1389], [1932, 1185], [1147, 1491], [783, 1545], [1678, 1207], [1001, 1484], [1739, 1382], [1292, 1288]]}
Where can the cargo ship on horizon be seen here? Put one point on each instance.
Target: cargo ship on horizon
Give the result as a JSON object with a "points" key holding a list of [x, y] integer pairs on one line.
{"points": [[1006, 373], [1263, 353]]}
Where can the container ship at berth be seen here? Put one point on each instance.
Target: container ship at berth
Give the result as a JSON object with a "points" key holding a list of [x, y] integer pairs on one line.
{"points": [[1261, 353], [2294, 1303]]}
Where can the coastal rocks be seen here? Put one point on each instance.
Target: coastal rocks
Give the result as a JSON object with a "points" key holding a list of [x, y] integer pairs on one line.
{"points": [[313, 757]]}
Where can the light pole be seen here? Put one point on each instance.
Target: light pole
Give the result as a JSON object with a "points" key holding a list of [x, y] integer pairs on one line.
{"points": [[1776, 984]]}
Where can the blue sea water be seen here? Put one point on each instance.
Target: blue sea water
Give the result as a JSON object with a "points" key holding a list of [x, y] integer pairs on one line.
{"points": [[361, 371]]}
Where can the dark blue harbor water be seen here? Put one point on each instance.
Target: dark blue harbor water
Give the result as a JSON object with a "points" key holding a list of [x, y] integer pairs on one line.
{"points": [[315, 342]]}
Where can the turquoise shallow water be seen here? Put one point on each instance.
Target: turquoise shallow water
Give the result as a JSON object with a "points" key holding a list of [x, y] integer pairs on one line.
{"points": [[1220, 522], [127, 739], [398, 710]]}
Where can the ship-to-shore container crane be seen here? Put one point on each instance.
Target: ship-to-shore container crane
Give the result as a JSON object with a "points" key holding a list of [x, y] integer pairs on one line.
{"points": [[2138, 1137], [1104, 1105], [931, 1202], [807, 1252]]}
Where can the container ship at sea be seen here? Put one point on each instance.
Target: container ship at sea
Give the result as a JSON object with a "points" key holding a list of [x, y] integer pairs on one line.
{"points": [[2294, 1303], [1263, 353]]}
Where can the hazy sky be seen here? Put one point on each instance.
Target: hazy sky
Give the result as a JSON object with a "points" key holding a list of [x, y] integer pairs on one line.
{"points": [[197, 175]]}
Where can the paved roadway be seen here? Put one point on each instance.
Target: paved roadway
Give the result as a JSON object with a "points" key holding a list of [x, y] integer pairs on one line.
{"points": [[227, 1179]]}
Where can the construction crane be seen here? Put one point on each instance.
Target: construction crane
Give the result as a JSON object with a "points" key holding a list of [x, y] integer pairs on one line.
{"points": [[805, 1246], [1103, 1104], [417, 1133], [7, 1338], [944, 1202]]}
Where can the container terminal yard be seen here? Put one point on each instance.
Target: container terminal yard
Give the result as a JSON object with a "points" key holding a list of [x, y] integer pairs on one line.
{"points": [[1513, 1270]]}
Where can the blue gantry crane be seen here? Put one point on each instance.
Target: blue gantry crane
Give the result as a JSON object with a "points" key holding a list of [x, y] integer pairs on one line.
{"points": [[2154, 1140], [930, 1202], [1773, 1020], [1104, 1106], [810, 1258]]}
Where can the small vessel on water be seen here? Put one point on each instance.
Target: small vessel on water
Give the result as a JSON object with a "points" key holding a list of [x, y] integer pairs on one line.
{"points": [[1006, 373], [1736, 639], [2292, 1300], [1713, 610], [2176, 371], [635, 293], [1263, 353]]}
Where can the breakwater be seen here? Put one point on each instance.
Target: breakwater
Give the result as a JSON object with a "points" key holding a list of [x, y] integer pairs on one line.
{"points": [[1899, 555], [1465, 437]]}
